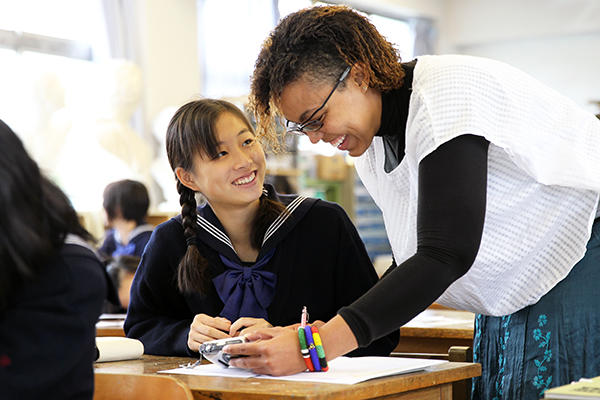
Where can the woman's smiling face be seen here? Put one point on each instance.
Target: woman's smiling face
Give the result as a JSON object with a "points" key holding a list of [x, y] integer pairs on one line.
{"points": [[350, 118]]}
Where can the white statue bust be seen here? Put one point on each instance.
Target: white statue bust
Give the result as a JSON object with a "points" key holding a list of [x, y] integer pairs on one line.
{"points": [[102, 146], [161, 169]]}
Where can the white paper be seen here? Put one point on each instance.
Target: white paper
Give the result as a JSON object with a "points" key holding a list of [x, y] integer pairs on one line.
{"points": [[342, 370], [109, 324], [112, 316], [118, 348]]}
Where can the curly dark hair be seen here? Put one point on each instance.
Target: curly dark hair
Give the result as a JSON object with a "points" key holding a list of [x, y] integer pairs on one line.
{"points": [[317, 44]]}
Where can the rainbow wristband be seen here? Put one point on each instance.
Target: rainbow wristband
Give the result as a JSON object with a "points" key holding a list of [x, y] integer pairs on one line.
{"points": [[312, 349], [320, 350], [304, 349]]}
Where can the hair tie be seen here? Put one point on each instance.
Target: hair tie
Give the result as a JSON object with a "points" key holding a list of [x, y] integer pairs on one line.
{"points": [[191, 240]]}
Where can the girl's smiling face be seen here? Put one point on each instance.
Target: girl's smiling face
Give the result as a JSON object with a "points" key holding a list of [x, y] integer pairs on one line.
{"points": [[236, 175]]}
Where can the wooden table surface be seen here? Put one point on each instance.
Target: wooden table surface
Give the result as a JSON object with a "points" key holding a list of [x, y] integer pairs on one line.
{"points": [[431, 332], [434, 383], [110, 328], [435, 330]]}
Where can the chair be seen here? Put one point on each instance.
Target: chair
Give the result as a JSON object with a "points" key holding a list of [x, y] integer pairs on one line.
{"points": [[139, 387]]}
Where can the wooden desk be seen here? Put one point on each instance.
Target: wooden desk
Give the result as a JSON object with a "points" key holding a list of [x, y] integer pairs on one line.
{"points": [[435, 330], [435, 383], [431, 332], [110, 328]]}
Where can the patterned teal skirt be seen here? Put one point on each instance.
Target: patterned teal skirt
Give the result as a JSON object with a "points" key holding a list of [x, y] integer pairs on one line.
{"points": [[550, 343]]}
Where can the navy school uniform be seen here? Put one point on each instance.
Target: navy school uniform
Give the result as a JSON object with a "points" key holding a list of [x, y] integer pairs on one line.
{"points": [[317, 258], [47, 334], [113, 246]]}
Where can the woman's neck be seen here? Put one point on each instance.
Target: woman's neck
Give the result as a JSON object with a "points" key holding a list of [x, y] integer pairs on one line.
{"points": [[238, 226]]}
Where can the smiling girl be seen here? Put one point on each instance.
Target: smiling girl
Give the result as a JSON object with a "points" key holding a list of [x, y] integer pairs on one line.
{"points": [[250, 258]]}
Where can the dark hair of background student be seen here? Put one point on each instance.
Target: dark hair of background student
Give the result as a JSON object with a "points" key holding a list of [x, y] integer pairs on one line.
{"points": [[319, 44], [192, 132], [36, 217], [127, 199]]}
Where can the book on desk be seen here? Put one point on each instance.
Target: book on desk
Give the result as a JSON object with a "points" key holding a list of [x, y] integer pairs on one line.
{"points": [[585, 389]]}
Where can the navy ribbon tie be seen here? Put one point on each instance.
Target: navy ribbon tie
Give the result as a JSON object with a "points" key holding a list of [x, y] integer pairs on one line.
{"points": [[124, 250], [245, 291]]}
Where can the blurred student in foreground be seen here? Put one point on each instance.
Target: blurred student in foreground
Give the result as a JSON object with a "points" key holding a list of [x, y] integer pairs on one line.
{"points": [[52, 285]]}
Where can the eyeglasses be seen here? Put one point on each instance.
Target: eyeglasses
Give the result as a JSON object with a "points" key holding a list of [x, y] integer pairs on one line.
{"points": [[310, 124]]}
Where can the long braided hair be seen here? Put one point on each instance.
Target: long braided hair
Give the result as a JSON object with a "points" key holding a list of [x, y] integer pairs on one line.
{"points": [[192, 131], [317, 44]]}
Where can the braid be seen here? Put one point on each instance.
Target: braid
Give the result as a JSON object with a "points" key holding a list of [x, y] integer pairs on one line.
{"points": [[193, 268]]}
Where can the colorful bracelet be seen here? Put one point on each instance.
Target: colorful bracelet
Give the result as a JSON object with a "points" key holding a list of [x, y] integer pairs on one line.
{"points": [[320, 350], [312, 348], [304, 349]]}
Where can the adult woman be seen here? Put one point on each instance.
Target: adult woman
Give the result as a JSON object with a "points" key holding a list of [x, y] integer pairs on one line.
{"points": [[247, 259], [446, 143], [52, 285]]}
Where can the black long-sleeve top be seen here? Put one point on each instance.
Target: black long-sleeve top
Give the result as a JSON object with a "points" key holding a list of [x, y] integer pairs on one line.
{"points": [[320, 262], [450, 217]]}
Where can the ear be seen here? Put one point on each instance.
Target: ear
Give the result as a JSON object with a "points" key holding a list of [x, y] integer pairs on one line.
{"points": [[359, 76], [186, 178]]}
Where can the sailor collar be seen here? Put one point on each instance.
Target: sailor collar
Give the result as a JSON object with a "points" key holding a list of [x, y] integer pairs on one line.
{"points": [[212, 233]]}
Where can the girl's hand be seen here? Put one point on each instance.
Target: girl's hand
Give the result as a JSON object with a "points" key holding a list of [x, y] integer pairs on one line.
{"points": [[205, 328], [247, 325]]}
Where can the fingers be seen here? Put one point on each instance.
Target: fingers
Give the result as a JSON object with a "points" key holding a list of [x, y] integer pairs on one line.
{"points": [[220, 323], [318, 323], [268, 356], [205, 328], [196, 339], [246, 325], [240, 324], [266, 333]]}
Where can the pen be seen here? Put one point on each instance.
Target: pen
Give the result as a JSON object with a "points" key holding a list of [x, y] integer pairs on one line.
{"points": [[304, 317]]}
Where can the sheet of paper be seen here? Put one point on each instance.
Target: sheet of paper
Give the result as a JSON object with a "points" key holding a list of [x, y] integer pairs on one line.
{"points": [[112, 316], [342, 370], [434, 320], [109, 324]]}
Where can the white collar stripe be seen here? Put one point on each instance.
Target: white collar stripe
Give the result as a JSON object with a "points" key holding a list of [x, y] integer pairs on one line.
{"points": [[279, 221], [274, 225], [213, 230]]}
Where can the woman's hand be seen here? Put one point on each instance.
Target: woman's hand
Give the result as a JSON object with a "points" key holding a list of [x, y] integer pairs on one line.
{"points": [[246, 325], [274, 351], [205, 328]]}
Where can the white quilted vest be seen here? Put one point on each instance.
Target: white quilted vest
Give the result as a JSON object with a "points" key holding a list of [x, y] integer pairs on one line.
{"points": [[543, 177]]}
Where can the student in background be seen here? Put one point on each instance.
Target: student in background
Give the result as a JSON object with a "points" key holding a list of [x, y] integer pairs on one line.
{"points": [[250, 257], [126, 206], [489, 184], [121, 271], [51, 285]]}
